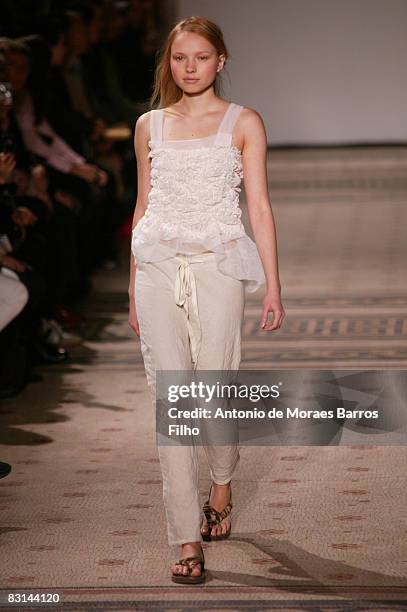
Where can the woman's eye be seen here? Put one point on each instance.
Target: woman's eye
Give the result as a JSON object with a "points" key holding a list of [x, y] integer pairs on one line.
{"points": [[178, 58]]}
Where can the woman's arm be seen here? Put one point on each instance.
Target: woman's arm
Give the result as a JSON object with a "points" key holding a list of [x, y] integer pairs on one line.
{"points": [[54, 150], [141, 138], [260, 213]]}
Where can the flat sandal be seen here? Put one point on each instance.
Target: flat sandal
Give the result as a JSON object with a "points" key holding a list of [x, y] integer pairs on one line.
{"points": [[213, 518], [190, 563]]}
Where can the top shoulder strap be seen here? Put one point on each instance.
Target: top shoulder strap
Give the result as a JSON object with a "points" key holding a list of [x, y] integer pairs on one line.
{"points": [[156, 124], [224, 135]]}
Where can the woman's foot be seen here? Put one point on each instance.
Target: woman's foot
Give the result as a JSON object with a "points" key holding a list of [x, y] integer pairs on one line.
{"points": [[192, 568], [219, 499]]}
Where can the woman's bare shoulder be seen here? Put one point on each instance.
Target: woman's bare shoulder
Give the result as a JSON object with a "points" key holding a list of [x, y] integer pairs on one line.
{"points": [[143, 125], [251, 118], [251, 126], [144, 119], [142, 129]]}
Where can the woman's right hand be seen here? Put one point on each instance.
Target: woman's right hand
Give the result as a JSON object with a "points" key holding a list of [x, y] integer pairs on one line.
{"points": [[133, 321], [7, 165], [85, 171], [13, 264]]}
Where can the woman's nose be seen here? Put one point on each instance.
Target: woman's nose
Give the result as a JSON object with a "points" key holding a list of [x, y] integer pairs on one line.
{"points": [[191, 68]]}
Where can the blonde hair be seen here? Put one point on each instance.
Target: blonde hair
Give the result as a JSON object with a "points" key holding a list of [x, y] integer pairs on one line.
{"points": [[166, 91]]}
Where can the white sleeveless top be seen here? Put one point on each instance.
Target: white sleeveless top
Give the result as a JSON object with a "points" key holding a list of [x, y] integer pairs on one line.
{"points": [[193, 204]]}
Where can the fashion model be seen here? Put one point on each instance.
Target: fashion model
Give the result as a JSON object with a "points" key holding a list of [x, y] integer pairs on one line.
{"points": [[192, 260]]}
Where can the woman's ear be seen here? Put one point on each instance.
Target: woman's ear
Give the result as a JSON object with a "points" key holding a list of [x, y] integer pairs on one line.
{"points": [[221, 63]]}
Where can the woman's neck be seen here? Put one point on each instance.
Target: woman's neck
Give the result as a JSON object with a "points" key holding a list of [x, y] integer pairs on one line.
{"points": [[198, 105], [19, 96]]}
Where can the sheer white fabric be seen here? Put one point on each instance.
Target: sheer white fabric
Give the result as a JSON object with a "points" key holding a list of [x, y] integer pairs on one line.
{"points": [[193, 204]]}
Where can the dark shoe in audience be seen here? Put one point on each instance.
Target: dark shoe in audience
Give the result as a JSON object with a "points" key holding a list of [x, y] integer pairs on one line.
{"points": [[47, 353], [5, 469], [51, 332]]}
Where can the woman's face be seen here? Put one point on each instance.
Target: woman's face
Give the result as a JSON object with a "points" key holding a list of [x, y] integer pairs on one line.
{"points": [[95, 26], [76, 37], [58, 52], [18, 69], [194, 62]]}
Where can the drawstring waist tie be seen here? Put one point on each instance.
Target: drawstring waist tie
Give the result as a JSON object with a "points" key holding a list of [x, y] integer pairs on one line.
{"points": [[186, 297]]}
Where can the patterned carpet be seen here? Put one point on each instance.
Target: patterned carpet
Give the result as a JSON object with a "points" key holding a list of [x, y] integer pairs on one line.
{"points": [[315, 528]]}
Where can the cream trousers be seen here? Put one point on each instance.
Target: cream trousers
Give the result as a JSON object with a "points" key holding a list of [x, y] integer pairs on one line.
{"points": [[190, 318]]}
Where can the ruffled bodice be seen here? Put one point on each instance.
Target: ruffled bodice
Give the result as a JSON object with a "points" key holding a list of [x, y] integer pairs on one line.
{"points": [[193, 203]]}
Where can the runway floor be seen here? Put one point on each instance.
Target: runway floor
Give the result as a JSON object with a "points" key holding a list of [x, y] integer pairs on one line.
{"points": [[315, 528]]}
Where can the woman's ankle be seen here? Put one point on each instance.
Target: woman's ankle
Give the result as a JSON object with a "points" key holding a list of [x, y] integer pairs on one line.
{"points": [[221, 490], [192, 545], [222, 486]]}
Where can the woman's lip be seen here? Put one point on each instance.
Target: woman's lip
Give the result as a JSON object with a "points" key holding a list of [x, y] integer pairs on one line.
{"points": [[191, 80]]}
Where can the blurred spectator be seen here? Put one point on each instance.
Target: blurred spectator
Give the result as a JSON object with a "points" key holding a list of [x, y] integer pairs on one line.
{"points": [[73, 126], [23, 253], [77, 44], [69, 70], [69, 173], [38, 135], [102, 82], [135, 49]]}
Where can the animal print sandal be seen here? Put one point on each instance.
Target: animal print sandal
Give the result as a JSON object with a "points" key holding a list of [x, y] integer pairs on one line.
{"points": [[190, 563], [213, 518]]}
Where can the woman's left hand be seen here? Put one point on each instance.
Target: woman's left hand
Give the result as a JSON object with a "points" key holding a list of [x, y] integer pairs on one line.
{"points": [[102, 178], [272, 303], [7, 165]]}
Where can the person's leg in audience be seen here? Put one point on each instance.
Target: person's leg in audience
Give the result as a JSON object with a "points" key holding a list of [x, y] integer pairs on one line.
{"points": [[13, 296]]}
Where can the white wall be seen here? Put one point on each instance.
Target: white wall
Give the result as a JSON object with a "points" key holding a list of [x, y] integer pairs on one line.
{"points": [[318, 71]]}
